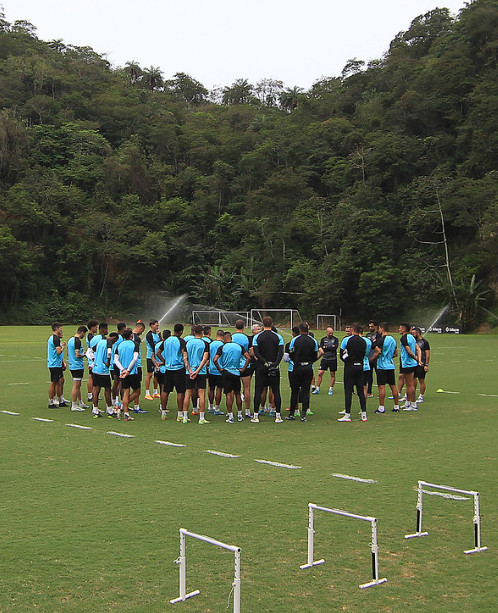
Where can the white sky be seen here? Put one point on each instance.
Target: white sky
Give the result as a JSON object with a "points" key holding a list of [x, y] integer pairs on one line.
{"points": [[219, 41]]}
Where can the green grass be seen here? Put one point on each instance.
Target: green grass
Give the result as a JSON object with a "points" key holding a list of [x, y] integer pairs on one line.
{"points": [[89, 521]]}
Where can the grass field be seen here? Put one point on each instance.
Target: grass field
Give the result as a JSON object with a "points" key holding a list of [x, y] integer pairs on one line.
{"points": [[89, 521]]}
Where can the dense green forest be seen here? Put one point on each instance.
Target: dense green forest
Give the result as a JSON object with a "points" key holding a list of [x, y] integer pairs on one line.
{"points": [[373, 193]]}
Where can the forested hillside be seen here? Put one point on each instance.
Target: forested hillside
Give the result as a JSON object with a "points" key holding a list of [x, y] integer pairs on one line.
{"points": [[372, 193]]}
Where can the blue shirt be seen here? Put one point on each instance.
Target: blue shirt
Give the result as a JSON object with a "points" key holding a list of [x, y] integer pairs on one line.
{"points": [[196, 348], [230, 357], [172, 353], [213, 348], [151, 339], [101, 366], [406, 360], [366, 361], [125, 352], [241, 339], [74, 363], [388, 346], [54, 359]]}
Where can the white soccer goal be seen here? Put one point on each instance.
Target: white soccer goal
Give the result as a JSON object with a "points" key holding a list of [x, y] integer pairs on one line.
{"points": [[219, 318], [182, 561], [282, 318], [446, 488], [311, 541], [323, 321]]}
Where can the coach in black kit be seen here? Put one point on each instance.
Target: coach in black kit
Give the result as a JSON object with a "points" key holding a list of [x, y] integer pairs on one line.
{"points": [[353, 350], [303, 350]]}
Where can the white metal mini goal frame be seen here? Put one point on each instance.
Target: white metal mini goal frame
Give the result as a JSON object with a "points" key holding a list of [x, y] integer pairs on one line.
{"points": [[182, 561], [374, 546], [446, 488]]}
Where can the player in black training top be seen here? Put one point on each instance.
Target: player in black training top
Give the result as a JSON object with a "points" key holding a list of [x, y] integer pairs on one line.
{"points": [[268, 348], [353, 350], [303, 350], [328, 350]]}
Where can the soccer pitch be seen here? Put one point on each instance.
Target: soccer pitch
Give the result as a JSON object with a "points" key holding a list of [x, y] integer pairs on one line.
{"points": [[90, 521]]}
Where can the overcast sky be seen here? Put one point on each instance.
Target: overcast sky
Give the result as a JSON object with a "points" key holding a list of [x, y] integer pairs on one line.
{"points": [[219, 41]]}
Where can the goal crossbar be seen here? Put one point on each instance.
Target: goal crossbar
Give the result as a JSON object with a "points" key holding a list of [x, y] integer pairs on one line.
{"points": [[446, 488], [374, 545], [182, 561]]}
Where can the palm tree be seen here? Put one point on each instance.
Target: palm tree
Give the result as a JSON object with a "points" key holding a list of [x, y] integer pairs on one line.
{"points": [[289, 98]]}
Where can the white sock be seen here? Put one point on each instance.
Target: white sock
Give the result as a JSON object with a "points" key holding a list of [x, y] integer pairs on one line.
{"points": [[155, 391], [239, 413], [201, 415], [278, 415]]}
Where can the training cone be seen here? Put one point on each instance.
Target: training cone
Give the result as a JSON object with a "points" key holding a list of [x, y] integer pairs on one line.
{"points": [[439, 391]]}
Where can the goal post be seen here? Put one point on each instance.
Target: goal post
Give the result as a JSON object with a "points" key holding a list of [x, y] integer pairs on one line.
{"points": [[282, 318], [374, 546], [182, 561], [220, 318], [323, 321], [446, 488]]}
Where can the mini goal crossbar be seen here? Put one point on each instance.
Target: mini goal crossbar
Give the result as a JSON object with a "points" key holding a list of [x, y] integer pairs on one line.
{"points": [[182, 561], [375, 549], [446, 488]]}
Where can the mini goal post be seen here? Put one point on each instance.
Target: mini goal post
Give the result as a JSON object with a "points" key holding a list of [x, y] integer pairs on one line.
{"points": [[182, 561], [374, 546], [445, 488], [282, 318], [323, 321]]}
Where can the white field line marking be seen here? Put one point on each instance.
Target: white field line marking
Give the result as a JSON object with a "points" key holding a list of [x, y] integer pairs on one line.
{"points": [[277, 464], [42, 419], [17, 383], [9, 413], [223, 455], [169, 444], [121, 434], [338, 475], [443, 495], [485, 395], [78, 426]]}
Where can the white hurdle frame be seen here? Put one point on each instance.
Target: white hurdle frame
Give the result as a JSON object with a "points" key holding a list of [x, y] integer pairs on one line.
{"points": [[446, 488], [375, 549], [182, 561]]}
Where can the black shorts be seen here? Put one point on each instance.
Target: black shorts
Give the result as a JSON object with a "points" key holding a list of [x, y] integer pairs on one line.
{"points": [[150, 366], [215, 381], [406, 370], [420, 372], [132, 381], [101, 380], [114, 372], [385, 377], [175, 379], [56, 374], [249, 371], [231, 382], [326, 364], [77, 375], [199, 383], [160, 377]]}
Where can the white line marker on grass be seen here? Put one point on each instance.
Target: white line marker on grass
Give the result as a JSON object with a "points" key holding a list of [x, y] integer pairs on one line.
{"points": [[169, 444], [489, 395], [121, 434], [277, 464], [449, 496], [339, 476], [78, 426], [17, 383], [9, 413], [223, 455], [42, 419]]}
